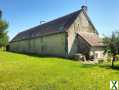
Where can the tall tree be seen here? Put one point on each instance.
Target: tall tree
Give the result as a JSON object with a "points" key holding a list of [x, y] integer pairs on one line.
{"points": [[3, 32], [112, 45]]}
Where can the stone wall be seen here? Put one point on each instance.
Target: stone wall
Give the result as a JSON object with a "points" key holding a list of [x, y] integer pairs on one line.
{"points": [[81, 24], [72, 41], [84, 24], [47, 45], [83, 47]]}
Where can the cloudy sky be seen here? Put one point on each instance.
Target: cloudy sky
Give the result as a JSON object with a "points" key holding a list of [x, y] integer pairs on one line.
{"points": [[24, 14]]}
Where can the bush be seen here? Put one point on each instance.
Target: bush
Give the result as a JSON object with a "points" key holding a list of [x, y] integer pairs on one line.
{"points": [[100, 61], [109, 59], [117, 57]]}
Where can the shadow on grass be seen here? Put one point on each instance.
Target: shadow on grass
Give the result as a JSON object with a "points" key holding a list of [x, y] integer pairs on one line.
{"points": [[29, 54], [39, 55], [115, 67], [88, 65], [105, 66], [108, 66]]}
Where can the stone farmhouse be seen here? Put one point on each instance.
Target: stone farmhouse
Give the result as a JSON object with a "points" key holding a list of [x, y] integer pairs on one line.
{"points": [[63, 37]]}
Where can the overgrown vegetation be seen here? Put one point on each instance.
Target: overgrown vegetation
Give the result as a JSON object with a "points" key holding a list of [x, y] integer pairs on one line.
{"points": [[112, 46], [25, 72]]}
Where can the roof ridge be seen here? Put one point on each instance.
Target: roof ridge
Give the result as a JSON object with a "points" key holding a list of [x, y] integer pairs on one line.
{"points": [[51, 21], [53, 26]]}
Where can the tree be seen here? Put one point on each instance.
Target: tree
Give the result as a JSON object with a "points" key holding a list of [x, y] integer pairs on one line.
{"points": [[112, 45], [3, 33]]}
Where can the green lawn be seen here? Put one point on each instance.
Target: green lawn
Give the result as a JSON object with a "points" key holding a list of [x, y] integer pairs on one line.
{"points": [[24, 72]]}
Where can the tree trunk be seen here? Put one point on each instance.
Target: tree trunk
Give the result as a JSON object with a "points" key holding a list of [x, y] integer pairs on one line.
{"points": [[113, 59]]}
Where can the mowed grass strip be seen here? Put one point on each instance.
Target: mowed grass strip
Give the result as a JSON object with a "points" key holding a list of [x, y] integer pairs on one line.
{"points": [[24, 72]]}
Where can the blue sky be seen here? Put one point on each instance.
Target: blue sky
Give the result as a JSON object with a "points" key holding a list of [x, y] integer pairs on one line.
{"points": [[24, 14]]}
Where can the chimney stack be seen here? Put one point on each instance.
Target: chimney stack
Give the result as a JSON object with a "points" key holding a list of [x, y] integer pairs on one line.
{"points": [[84, 8]]}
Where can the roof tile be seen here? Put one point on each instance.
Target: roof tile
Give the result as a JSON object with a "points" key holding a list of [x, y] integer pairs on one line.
{"points": [[92, 38]]}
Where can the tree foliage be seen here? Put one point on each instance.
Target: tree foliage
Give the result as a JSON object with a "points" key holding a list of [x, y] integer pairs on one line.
{"points": [[112, 45], [3, 33]]}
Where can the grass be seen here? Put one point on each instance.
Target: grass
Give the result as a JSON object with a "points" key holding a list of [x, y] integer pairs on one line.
{"points": [[24, 72]]}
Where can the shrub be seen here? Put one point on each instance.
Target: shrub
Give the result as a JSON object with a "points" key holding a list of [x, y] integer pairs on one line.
{"points": [[100, 61], [109, 59], [117, 57]]}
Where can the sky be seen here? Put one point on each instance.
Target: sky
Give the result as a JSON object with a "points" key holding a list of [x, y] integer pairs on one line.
{"points": [[24, 14]]}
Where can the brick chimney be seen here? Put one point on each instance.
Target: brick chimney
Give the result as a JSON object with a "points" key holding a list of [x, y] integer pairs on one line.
{"points": [[84, 8]]}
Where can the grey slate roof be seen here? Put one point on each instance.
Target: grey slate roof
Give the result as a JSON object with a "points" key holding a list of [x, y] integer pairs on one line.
{"points": [[58, 25], [91, 38]]}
